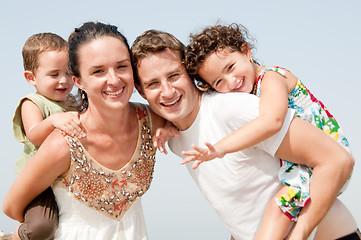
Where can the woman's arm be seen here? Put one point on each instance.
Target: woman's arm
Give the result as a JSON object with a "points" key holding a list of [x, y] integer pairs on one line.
{"points": [[51, 160], [331, 163]]}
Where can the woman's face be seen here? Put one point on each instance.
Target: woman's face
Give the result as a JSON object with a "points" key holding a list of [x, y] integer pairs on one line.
{"points": [[106, 73]]}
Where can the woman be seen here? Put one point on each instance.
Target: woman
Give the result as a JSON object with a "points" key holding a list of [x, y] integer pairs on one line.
{"points": [[98, 180]]}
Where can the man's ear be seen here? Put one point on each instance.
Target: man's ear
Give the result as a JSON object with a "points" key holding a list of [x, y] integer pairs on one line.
{"points": [[77, 81], [140, 90], [30, 77]]}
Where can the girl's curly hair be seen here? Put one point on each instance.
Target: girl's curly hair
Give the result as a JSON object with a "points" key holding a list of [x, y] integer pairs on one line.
{"points": [[210, 40]]}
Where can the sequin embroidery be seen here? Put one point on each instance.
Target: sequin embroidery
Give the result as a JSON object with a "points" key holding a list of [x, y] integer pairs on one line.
{"points": [[109, 191]]}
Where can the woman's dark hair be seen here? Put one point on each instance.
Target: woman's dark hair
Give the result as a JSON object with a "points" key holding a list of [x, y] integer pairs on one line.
{"points": [[82, 35], [212, 39]]}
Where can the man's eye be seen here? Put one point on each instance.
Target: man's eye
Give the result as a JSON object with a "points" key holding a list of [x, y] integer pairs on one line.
{"points": [[152, 84], [97, 71]]}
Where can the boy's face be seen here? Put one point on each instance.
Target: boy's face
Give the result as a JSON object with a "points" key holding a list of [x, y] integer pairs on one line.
{"points": [[228, 71], [167, 87], [52, 78]]}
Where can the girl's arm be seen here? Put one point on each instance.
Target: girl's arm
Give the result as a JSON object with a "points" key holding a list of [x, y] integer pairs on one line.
{"points": [[332, 166], [272, 111], [51, 160], [37, 129]]}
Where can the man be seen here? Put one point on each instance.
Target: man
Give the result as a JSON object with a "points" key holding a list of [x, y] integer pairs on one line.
{"points": [[240, 185]]}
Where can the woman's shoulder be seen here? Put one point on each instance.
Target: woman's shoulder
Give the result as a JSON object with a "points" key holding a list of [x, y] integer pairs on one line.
{"points": [[155, 121], [56, 146]]}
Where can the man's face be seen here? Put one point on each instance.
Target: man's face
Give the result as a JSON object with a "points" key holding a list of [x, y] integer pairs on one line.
{"points": [[168, 88]]}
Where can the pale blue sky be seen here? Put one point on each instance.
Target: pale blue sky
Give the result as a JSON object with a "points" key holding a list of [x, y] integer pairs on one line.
{"points": [[318, 41]]}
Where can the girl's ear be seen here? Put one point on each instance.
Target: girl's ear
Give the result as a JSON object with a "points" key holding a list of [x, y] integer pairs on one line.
{"points": [[30, 77], [77, 81], [246, 50]]}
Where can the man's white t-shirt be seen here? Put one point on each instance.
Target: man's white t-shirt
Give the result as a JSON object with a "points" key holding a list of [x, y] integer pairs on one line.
{"points": [[240, 185]]}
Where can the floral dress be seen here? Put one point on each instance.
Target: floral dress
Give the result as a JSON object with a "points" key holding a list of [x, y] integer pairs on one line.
{"points": [[310, 109], [100, 203]]}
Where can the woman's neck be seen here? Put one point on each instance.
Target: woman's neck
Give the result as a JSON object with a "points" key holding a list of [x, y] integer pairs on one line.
{"points": [[107, 122]]}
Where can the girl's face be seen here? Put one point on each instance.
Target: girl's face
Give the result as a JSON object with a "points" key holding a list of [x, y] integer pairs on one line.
{"points": [[227, 71], [106, 74]]}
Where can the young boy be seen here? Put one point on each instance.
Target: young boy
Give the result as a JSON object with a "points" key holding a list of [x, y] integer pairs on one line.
{"points": [[45, 59]]}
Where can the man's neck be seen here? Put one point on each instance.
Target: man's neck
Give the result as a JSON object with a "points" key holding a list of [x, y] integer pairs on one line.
{"points": [[185, 123]]}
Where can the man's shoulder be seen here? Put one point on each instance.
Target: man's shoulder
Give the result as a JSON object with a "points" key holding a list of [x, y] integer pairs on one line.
{"points": [[236, 97]]}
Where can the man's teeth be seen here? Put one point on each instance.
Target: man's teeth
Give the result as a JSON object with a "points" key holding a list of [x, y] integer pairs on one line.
{"points": [[171, 103], [114, 93]]}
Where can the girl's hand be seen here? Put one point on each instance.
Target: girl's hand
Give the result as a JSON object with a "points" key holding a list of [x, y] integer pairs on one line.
{"points": [[199, 155], [162, 135], [68, 122]]}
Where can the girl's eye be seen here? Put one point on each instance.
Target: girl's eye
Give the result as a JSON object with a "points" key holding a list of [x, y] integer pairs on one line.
{"points": [[229, 68], [54, 74], [217, 82]]}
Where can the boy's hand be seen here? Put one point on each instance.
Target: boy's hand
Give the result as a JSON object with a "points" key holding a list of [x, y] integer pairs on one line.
{"points": [[68, 122], [162, 135], [199, 155]]}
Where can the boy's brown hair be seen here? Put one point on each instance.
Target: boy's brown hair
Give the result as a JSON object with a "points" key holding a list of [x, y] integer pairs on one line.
{"points": [[39, 43]]}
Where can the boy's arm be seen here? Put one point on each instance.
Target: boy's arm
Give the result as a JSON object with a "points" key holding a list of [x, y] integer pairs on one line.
{"points": [[37, 129], [272, 111], [331, 163]]}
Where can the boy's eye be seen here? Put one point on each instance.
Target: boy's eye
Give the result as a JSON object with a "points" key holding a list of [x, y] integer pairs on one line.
{"points": [[54, 74], [122, 66]]}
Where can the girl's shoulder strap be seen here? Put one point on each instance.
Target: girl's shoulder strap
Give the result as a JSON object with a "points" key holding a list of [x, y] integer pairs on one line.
{"points": [[275, 69], [257, 84]]}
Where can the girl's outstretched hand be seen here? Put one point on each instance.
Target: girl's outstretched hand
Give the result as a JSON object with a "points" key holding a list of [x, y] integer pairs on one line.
{"points": [[199, 155], [162, 135]]}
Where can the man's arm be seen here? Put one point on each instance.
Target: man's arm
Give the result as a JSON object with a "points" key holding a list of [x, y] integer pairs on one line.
{"points": [[331, 163]]}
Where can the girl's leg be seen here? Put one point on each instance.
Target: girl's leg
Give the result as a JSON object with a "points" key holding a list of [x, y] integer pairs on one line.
{"points": [[275, 224]]}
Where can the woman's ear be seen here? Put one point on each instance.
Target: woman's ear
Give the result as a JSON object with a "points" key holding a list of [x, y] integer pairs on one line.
{"points": [[77, 81], [30, 77]]}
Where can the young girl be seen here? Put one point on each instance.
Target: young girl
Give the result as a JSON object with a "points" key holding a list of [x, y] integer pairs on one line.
{"points": [[220, 59], [45, 59]]}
